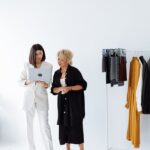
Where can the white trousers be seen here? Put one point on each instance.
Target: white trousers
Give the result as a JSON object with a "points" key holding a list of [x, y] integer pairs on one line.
{"points": [[44, 127]]}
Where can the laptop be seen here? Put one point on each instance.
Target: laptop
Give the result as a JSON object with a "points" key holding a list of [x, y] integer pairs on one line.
{"points": [[40, 74]]}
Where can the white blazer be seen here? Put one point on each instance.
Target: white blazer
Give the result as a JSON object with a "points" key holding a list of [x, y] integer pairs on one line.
{"points": [[34, 92]]}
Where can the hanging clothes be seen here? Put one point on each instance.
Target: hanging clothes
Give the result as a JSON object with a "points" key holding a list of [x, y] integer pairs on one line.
{"points": [[122, 69], [114, 69], [133, 131], [114, 64], [145, 86], [106, 64]]}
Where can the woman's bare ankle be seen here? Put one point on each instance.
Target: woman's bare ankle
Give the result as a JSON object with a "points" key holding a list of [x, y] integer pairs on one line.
{"points": [[81, 146], [68, 146]]}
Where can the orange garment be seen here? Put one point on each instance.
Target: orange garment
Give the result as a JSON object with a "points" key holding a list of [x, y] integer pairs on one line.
{"points": [[133, 132]]}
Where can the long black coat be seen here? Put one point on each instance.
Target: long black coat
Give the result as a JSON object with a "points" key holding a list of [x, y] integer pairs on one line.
{"points": [[145, 86], [76, 98]]}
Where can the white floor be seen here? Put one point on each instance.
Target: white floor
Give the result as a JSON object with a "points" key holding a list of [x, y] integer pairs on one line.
{"points": [[14, 147]]}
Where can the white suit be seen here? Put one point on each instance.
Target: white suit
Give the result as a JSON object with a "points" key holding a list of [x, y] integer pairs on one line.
{"points": [[36, 97]]}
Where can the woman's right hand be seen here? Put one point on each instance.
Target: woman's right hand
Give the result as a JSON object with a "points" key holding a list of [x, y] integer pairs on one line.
{"points": [[28, 82], [57, 90]]}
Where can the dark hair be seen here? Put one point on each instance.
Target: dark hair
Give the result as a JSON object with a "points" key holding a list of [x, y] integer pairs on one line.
{"points": [[33, 50]]}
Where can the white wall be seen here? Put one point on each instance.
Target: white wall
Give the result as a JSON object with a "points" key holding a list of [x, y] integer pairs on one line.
{"points": [[54, 24], [83, 26]]}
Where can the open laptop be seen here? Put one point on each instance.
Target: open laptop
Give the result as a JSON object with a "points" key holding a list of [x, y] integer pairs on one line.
{"points": [[40, 74]]}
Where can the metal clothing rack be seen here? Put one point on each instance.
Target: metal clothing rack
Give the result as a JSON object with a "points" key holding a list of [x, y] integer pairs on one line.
{"points": [[135, 52]]}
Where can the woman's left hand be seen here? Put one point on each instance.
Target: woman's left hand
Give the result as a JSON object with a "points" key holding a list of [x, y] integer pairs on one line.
{"points": [[66, 89], [43, 84]]}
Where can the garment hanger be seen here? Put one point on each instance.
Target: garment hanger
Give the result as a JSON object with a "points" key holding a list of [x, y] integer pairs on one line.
{"points": [[134, 54]]}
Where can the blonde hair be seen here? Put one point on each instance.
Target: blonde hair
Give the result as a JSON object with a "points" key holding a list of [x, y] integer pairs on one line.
{"points": [[67, 53]]}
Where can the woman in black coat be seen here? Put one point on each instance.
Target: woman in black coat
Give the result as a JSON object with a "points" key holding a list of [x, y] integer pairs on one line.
{"points": [[69, 85]]}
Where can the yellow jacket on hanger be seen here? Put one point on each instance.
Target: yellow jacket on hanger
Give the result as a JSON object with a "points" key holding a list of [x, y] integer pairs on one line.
{"points": [[133, 132]]}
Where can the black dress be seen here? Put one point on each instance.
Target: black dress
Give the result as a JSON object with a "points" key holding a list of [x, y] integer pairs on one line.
{"points": [[71, 107]]}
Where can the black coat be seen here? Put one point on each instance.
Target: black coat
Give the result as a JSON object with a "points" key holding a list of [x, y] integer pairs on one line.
{"points": [[145, 102], [76, 100]]}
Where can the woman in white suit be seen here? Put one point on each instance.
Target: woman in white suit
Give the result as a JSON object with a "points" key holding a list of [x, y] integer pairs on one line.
{"points": [[36, 97]]}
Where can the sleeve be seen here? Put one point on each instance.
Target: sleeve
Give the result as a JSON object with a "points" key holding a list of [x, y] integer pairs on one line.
{"points": [[104, 61], [54, 84], [139, 91], [23, 77], [80, 80], [51, 69]]}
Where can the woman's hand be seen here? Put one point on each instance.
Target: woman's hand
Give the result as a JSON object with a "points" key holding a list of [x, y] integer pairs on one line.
{"points": [[66, 89], [57, 89], [28, 82], [43, 84]]}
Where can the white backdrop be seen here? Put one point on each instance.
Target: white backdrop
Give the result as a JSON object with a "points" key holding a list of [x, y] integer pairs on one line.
{"points": [[85, 27]]}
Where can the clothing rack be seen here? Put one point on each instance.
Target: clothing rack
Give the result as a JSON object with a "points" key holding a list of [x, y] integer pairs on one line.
{"points": [[127, 51]]}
